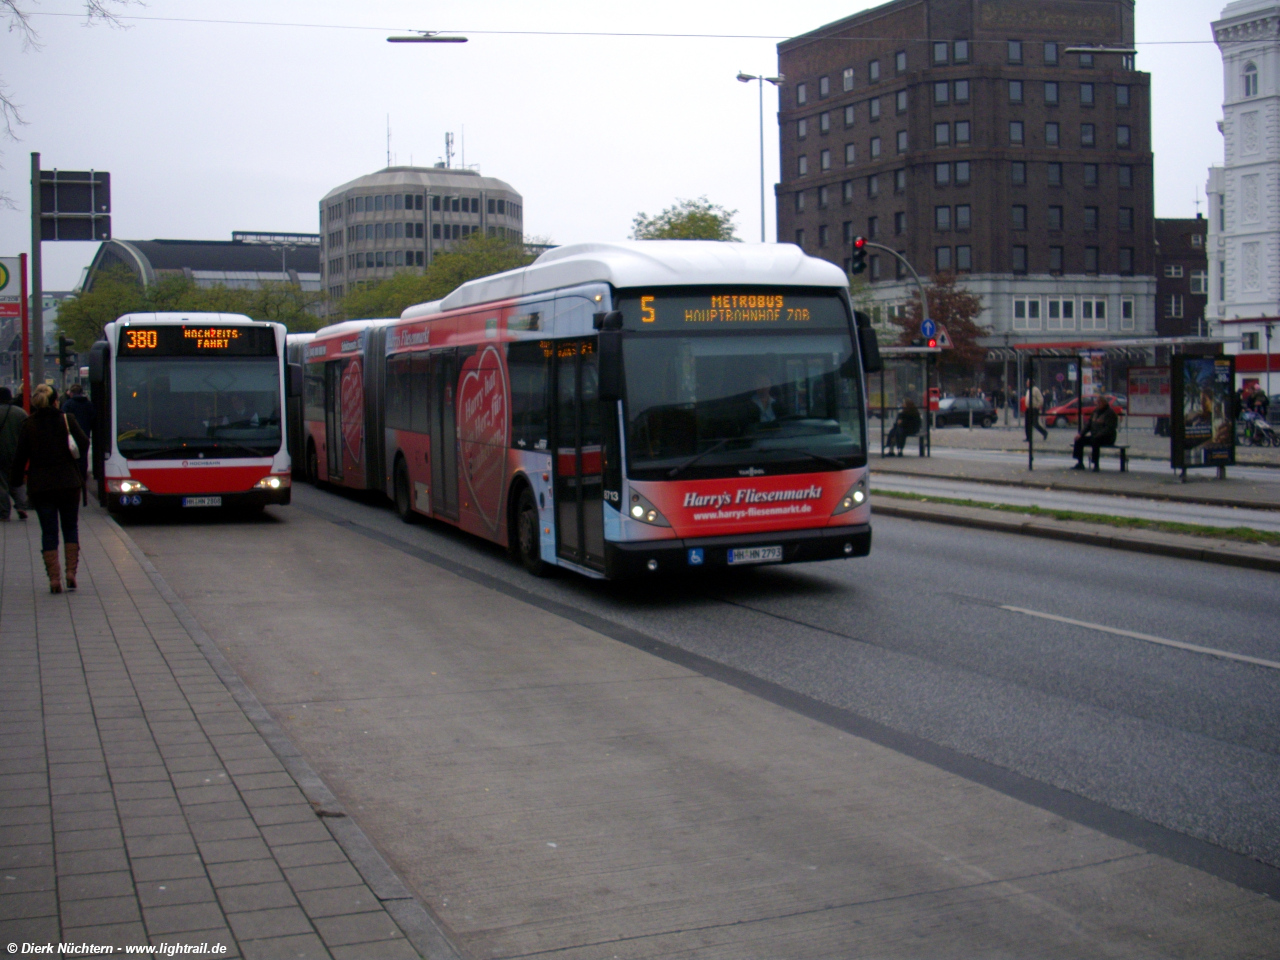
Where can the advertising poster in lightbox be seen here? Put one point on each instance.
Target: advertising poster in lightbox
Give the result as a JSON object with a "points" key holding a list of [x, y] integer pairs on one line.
{"points": [[1204, 432]]}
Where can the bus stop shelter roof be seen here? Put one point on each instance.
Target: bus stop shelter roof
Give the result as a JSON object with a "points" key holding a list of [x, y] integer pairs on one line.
{"points": [[1135, 347]]}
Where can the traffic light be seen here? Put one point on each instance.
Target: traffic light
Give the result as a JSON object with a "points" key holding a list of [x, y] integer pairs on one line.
{"points": [[66, 359], [932, 343], [859, 262]]}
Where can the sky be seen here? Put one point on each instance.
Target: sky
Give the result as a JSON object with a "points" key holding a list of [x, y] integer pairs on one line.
{"points": [[209, 127]]}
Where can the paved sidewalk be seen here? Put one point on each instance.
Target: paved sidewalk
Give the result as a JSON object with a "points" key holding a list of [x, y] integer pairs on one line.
{"points": [[147, 798]]}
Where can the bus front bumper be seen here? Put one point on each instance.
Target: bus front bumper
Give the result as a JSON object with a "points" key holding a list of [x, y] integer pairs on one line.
{"points": [[248, 499], [797, 546]]}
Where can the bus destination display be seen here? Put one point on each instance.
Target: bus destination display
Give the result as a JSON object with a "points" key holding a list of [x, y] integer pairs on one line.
{"points": [[731, 309], [180, 340]]}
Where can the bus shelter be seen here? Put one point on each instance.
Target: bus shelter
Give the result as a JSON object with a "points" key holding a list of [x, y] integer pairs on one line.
{"points": [[908, 373]]}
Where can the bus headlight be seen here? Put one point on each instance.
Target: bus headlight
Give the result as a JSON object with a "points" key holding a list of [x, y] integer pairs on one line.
{"points": [[855, 498], [274, 482], [119, 485], [644, 511]]}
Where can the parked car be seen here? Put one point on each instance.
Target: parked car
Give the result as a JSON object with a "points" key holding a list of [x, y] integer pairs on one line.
{"points": [[956, 410], [1067, 414]]}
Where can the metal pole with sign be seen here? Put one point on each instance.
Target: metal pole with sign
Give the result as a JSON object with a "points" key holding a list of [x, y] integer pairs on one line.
{"points": [[35, 345]]}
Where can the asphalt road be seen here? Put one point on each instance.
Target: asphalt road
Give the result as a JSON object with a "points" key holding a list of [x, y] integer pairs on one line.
{"points": [[918, 638]]}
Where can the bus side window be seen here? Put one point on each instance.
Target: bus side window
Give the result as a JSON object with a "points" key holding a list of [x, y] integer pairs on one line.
{"points": [[527, 365], [313, 392], [420, 394], [399, 396]]}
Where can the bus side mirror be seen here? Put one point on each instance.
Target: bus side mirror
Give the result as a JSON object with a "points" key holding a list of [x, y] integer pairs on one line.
{"points": [[98, 362], [868, 343], [607, 321], [294, 384], [610, 372]]}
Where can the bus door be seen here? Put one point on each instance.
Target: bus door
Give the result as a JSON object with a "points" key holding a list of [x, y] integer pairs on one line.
{"points": [[444, 434], [579, 473], [333, 417]]}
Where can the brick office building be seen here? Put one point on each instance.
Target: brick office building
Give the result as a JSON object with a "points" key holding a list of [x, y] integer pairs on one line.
{"points": [[976, 136], [1182, 277]]}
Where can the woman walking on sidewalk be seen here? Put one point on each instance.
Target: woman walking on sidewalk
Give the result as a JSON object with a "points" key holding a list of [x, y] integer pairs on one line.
{"points": [[46, 459]]}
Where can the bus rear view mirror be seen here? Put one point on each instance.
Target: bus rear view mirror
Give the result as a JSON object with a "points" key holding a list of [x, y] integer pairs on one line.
{"points": [[610, 352], [294, 384]]}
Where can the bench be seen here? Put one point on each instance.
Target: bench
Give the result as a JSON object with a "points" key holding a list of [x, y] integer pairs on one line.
{"points": [[1122, 450]]}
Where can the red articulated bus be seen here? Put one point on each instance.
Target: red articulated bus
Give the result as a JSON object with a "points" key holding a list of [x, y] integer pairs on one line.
{"points": [[616, 409]]}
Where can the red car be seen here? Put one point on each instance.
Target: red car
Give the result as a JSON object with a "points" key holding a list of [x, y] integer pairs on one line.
{"points": [[1068, 413]]}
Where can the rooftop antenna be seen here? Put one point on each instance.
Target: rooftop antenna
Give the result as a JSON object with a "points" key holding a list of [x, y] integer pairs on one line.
{"points": [[1197, 201], [388, 139], [448, 150]]}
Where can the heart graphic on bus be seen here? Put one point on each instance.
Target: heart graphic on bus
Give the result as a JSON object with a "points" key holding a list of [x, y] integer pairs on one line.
{"points": [[483, 430], [353, 414]]}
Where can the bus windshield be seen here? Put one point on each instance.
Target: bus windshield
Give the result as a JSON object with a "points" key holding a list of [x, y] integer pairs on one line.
{"points": [[171, 407], [778, 402]]}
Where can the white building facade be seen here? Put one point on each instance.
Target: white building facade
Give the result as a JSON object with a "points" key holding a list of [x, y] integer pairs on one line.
{"points": [[1244, 193]]}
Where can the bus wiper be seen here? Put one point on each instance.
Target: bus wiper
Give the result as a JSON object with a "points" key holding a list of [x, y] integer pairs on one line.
{"points": [[252, 451], [820, 458], [680, 468], [159, 453]]}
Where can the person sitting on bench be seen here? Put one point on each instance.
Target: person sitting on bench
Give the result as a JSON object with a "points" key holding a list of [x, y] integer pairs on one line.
{"points": [[1099, 432], [906, 425]]}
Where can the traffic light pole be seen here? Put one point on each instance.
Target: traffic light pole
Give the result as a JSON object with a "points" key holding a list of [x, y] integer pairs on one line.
{"points": [[36, 343]]}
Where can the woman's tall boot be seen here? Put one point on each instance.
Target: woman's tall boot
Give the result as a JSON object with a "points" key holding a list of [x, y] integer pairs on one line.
{"points": [[73, 561], [54, 569]]}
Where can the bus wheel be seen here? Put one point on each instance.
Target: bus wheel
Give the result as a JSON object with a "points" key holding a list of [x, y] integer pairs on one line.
{"points": [[528, 542], [313, 465], [404, 505]]}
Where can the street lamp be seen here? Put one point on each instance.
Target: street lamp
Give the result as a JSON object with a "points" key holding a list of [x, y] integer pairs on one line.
{"points": [[426, 36], [761, 80]]}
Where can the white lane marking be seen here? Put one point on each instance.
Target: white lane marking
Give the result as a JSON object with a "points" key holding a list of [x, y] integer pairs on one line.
{"points": [[1258, 661]]}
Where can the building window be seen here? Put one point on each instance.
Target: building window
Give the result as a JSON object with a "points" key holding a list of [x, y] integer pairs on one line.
{"points": [[1093, 311], [1061, 311], [1123, 136], [1055, 174], [1126, 313], [874, 264], [1222, 215], [802, 165], [940, 50], [1055, 218], [1055, 260], [1051, 93], [435, 202], [941, 92], [1125, 174], [1126, 220], [901, 99], [941, 174], [1018, 216], [962, 173], [1086, 61], [900, 61], [1122, 95], [1250, 341], [1026, 312], [824, 159], [823, 196], [899, 181], [848, 232], [824, 87], [875, 147], [873, 108], [964, 259], [1090, 259], [873, 71], [1050, 134], [1091, 218], [1015, 91], [960, 51], [846, 191], [1200, 280], [1086, 94], [850, 115], [873, 186], [846, 79], [1016, 132], [1126, 261], [1051, 54], [799, 201], [800, 239], [1019, 259], [942, 259], [822, 235], [1088, 135], [1173, 306], [1222, 280], [850, 154], [802, 128], [964, 217], [1250, 79], [900, 223], [802, 94], [1015, 51], [1018, 173], [435, 231], [1090, 174], [873, 227], [941, 218], [942, 134], [962, 91]]}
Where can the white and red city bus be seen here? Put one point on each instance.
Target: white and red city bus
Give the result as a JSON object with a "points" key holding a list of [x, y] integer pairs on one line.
{"points": [[614, 409], [189, 411]]}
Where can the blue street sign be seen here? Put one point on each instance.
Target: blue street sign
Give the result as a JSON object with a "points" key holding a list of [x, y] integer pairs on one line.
{"points": [[928, 329]]}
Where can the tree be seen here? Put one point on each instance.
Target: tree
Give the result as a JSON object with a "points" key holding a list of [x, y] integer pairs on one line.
{"points": [[955, 308], [475, 257], [688, 220]]}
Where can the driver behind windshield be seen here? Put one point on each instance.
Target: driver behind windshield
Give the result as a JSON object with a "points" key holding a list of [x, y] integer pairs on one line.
{"points": [[764, 406]]}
